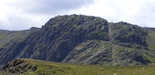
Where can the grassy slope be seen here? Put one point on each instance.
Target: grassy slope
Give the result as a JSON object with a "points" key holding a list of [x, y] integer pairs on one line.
{"points": [[8, 36], [53, 68], [151, 39]]}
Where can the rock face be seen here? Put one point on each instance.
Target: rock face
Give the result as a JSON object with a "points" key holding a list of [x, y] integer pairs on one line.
{"points": [[19, 66], [86, 40]]}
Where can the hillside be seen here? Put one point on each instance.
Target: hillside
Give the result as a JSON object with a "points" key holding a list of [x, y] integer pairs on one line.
{"points": [[7, 37], [38, 67], [80, 39], [11, 38]]}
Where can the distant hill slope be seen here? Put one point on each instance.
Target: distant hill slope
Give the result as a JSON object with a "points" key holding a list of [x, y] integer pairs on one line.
{"points": [[86, 40], [38, 67], [7, 37], [10, 38]]}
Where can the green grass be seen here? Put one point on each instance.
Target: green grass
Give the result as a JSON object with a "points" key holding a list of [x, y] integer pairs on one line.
{"points": [[151, 40], [9, 36], [53, 68]]}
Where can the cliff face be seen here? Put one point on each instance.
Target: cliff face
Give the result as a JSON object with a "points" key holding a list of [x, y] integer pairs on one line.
{"points": [[86, 40]]}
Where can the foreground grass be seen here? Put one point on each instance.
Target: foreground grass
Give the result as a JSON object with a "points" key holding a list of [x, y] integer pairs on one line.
{"points": [[53, 68]]}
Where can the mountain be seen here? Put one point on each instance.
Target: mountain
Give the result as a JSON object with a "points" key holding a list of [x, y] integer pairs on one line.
{"points": [[81, 39], [38, 67]]}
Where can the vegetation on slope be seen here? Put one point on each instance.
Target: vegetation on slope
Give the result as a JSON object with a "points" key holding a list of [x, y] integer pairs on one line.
{"points": [[151, 39], [53, 68], [10, 36], [8, 40], [7, 37]]}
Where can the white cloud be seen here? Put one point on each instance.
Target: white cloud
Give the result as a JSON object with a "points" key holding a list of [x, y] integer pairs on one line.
{"points": [[23, 14], [139, 12]]}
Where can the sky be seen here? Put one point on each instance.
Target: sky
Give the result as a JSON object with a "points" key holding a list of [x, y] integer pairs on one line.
{"points": [[24, 14]]}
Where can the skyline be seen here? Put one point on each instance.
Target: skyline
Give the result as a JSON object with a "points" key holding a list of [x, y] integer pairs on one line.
{"points": [[21, 14]]}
